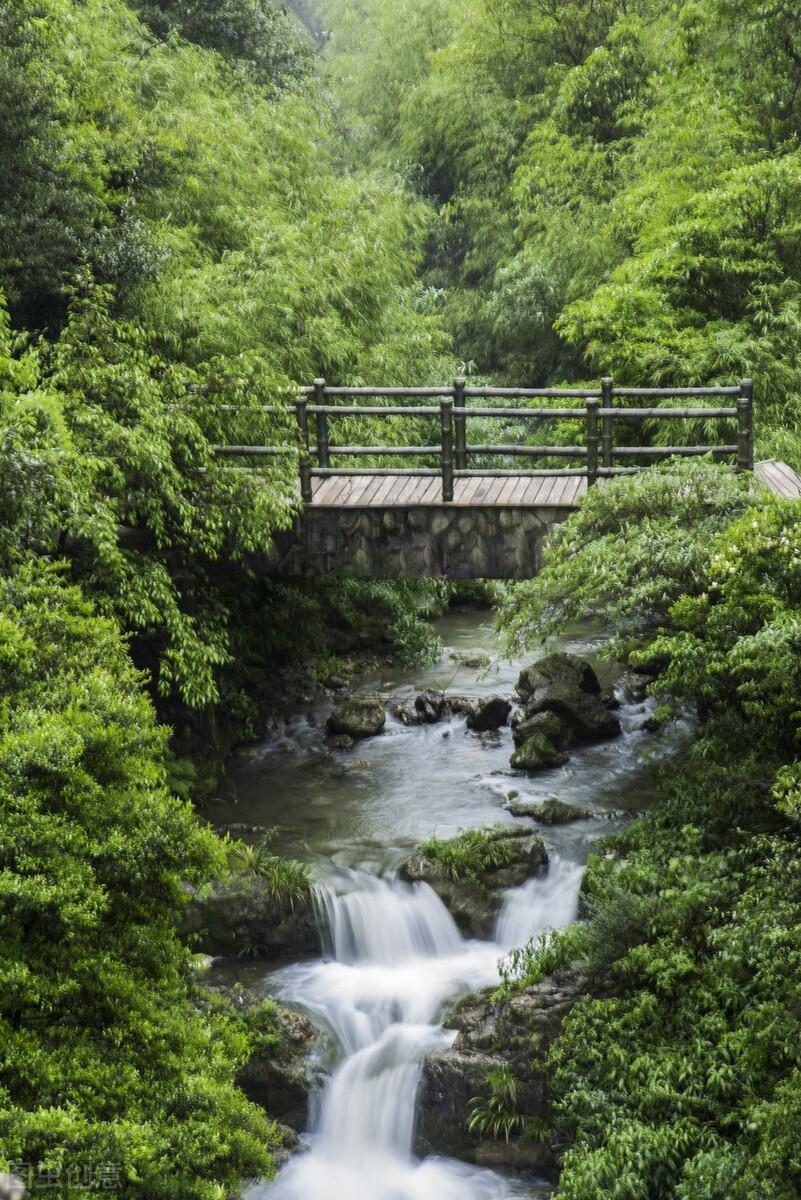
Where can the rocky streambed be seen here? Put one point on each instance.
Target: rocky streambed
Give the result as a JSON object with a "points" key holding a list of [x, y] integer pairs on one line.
{"points": [[446, 816]]}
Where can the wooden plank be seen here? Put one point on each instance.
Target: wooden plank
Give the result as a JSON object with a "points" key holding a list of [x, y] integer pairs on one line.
{"points": [[392, 496], [790, 477], [544, 494], [339, 495], [472, 485], [413, 493], [499, 490], [538, 491], [577, 491], [327, 491], [557, 492], [370, 491], [433, 493], [485, 492], [506, 490], [371, 498], [488, 491], [768, 473], [382, 491], [360, 484], [520, 491], [769, 476], [459, 490], [402, 496]]}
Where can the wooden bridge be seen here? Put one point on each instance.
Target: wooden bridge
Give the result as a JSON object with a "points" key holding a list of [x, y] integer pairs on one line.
{"points": [[452, 505]]}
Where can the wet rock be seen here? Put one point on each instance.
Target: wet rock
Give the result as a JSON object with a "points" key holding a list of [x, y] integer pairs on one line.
{"points": [[550, 812], [241, 829], [542, 724], [335, 683], [282, 1070], [406, 713], [281, 1077], [462, 706], [474, 659], [240, 917], [567, 686], [429, 706], [472, 892], [289, 1145], [426, 709], [538, 753], [634, 686], [359, 716], [489, 714], [339, 741], [653, 725], [513, 1036]]}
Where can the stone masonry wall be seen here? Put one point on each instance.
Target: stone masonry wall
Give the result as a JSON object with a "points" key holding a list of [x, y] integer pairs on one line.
{"points": [[391, 543]]}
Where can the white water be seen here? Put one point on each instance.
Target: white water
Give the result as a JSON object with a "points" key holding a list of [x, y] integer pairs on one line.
{"points": [[396, 956]]}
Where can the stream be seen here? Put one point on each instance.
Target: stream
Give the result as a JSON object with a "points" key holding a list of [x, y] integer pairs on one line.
{"points": [[394, 956]]}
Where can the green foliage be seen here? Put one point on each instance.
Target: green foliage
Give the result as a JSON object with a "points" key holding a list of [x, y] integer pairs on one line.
{"points": [[616, 193], [633, 549], [678, 1076], [472, 852], [253, 32], [286, 879], [103, 1058], [526, 966], [187, 239], [496, 1114]]}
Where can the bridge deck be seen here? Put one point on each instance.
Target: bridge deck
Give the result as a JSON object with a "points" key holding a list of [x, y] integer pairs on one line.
{"points": [[487, 491], [779, 478]]}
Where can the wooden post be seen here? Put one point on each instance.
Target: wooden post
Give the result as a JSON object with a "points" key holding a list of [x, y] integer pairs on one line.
{"points": [[446, 425], [460, 425], [745, 426], [301, 406], [607, 423], [322, 425], [592, 441]]}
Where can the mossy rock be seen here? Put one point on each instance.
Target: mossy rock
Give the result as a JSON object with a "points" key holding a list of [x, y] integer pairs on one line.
{"points": [[242, 918], [543, 723], [538, 753], [359, 716], [550, 812], [567, 685], [471, 872], [489, 714]]}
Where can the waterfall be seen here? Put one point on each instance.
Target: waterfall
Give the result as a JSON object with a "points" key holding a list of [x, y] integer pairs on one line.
{"points": [[546, 902], [394, 957]]}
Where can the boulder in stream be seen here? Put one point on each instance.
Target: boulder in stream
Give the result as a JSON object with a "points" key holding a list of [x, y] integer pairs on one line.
{"points": [[550, 812], [471, 872], [510, 1036], [339, 741], [242, 917], [567, 685], [429, 707], [540, 742], [634, 685], [359, 716], [489, 714], [477, 660], [282, 1070]]}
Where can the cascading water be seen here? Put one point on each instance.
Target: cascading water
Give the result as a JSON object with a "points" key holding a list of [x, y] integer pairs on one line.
{"points": [[393, 954], [396, 957], [546, 902]]}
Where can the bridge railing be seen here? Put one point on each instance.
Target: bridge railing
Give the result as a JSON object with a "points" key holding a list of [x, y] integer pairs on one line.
{"points": [[596, 410]]}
